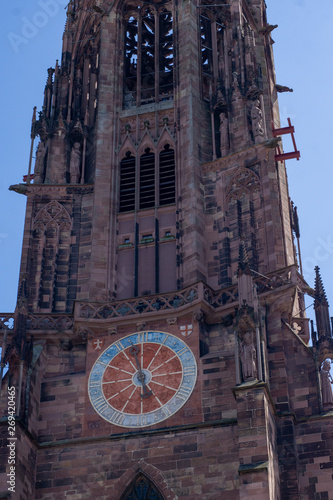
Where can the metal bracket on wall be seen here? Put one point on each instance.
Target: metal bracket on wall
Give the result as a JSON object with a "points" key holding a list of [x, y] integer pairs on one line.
{"points": [[283, 131]]}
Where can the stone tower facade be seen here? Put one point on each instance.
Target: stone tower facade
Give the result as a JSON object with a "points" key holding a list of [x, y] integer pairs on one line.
{"points": [[159, 349]]}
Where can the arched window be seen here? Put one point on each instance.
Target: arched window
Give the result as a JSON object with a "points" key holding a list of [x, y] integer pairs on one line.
{"points": [[167, 181], [147, 179], [142, 489], [213, 46], [138, 191], [148, 73], [127, 183]]}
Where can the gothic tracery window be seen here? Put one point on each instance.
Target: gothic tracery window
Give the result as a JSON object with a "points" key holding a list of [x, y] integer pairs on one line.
{"points": [[148, 69], [213, 44], [142, 489]]}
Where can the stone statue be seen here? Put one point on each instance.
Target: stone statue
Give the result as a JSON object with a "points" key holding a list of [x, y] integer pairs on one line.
{"points": [[257, 122], [326, 389], [224, 134], [248, 357], [39, 165], [75, 164]]}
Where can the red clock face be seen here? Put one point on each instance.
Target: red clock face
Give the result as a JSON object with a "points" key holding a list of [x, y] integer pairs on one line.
{"points": [[142, 378]]}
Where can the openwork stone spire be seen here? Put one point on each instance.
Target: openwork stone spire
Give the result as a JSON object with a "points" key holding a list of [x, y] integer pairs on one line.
{"points": [[321, 307]]}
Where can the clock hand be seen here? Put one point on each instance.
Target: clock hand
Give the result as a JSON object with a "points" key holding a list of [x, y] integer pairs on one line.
{"points": [[134, 350]]}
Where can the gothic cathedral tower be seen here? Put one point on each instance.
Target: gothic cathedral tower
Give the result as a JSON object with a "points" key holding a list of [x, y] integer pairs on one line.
{"points": [[160, 349]]}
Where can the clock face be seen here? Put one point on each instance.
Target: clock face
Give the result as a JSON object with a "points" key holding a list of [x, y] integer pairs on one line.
{"points": [[142, 379]]}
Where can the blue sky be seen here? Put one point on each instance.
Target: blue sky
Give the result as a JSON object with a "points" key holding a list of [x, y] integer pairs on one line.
{"points": [[31, 39]]}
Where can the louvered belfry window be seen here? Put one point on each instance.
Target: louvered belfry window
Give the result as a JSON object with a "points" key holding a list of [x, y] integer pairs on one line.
{"points": [[145, 184], [127, 183], [147, 179], [167, 181]]}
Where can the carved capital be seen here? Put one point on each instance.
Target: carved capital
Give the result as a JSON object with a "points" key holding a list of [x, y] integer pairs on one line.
{"points": [[198, 315], [171, 321], [66, 345], [85, 333], [113, 330]]}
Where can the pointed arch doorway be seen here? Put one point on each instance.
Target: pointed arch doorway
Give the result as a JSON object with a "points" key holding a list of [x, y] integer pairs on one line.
{"points": [[142, 488]]}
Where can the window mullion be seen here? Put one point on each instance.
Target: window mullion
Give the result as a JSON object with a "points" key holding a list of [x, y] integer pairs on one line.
{"points": [[214, 48], [157, 56], [138, 99], [137, 182], [157, 179]]}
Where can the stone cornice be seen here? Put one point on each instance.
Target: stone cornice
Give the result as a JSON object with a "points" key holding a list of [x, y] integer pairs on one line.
{"points": [[257, 151], [49, 189]]}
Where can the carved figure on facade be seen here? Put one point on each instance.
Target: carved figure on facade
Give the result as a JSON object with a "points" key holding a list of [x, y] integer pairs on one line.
{"points": [[75, 163], [39, 165], [248, 357], [326, 385], [257, 122], [224, 134]]}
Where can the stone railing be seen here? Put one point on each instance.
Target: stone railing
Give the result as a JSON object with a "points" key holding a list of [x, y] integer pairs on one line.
{"points": [[192, 295], [149, 304], [189, 296], [56, 322]]}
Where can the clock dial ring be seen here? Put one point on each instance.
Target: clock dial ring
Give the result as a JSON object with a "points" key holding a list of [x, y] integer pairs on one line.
{"points": [[142, 379]]}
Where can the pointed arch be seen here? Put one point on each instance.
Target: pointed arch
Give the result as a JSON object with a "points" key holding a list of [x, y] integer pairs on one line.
{"points": [[243, 180], [150, 472], [142, 488], [52, 214], [146, 142], [165, 138], [147, 172], [148, 53], [147, 179], [127, 145], [127, 182], [167, 176]]}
